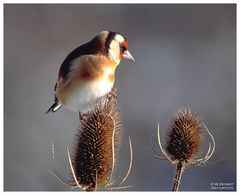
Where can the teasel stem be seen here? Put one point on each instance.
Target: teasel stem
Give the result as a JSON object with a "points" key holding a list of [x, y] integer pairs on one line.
{"points": [[179, 172]]}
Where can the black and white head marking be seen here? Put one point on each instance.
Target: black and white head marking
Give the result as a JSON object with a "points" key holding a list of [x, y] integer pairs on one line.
{"points": [[113, 46]]}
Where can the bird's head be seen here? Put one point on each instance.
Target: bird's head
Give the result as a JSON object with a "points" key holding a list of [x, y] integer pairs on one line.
{"points": [[114, 45]]}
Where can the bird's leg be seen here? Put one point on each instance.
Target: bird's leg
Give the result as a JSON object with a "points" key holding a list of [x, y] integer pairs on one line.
{"points": [[112, 94], [82, 116]]}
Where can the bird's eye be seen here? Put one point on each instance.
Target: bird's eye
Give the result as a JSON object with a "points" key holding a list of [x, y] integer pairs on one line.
{"points": [[123, 48]]}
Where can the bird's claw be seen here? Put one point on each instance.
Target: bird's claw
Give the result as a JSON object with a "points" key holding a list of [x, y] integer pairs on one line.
{"points": [[112, 94]]}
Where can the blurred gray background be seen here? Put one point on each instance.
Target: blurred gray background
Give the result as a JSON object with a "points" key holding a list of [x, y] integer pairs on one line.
{"points": [[185, 56]]}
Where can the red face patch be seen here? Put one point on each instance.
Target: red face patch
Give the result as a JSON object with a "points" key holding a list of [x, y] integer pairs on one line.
{"points": [[125, 43]]}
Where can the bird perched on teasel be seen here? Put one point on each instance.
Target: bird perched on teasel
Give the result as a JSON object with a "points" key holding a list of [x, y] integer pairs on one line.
{"points": [[88, 72]]}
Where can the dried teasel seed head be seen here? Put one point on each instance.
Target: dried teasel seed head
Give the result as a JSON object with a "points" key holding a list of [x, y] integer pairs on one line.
{"points": [[96, 144], [184, 136]]}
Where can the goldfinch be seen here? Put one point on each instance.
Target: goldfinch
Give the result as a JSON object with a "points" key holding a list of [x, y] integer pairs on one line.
{"points": [[88, 72]]}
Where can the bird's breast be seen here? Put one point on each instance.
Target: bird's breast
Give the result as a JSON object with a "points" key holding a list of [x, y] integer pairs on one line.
{"points": [[111, 78], [80, 95]]}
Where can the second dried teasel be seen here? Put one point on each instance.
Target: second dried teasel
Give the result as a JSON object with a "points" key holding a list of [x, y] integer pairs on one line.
{"points": [[184, 141]]}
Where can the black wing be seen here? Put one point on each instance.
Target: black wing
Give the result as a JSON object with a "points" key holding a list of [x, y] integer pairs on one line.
{"points": [[93, 47]]}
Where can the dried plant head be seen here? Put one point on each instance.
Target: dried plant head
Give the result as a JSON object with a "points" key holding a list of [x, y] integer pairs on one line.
{"points": [[97, 142], [96, 146], [185, 136], [184, 142]]}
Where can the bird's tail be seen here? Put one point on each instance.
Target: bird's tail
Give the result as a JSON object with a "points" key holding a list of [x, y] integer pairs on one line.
{"points": [[55, 107]]}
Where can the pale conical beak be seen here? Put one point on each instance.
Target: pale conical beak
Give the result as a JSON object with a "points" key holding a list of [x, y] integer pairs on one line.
{"points": [[127, 55]]}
